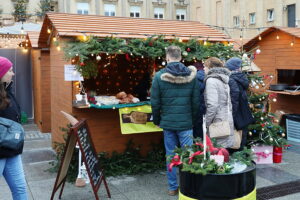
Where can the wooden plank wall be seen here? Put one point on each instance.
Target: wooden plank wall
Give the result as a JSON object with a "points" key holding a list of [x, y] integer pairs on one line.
{"points": [[36, 67], [279, 54], [61, 94], [104, 124], [45, 91], [41, 89]]}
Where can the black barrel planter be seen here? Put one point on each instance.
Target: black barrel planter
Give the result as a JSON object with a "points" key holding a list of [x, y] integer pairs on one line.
{"points": [[218, 186]]}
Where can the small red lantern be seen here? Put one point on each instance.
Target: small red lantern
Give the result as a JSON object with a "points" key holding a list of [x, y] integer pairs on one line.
{"points": [[277, 154]]}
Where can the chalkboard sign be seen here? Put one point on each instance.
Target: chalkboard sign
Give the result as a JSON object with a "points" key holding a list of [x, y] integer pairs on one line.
{"points": [[80, 133]]}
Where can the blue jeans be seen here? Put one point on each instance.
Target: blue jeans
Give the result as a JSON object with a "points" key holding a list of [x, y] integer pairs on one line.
{"points": [[172, 139], [12, 170]]}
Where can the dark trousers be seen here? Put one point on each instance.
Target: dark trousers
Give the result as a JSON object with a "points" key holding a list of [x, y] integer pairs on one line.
{"points": [[198, 128]]}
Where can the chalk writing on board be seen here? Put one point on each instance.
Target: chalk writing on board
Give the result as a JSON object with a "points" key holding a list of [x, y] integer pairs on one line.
{"points": [[90, 155]]}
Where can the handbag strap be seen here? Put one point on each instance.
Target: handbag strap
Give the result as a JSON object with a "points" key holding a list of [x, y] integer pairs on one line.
{"points": [[228, 101]]}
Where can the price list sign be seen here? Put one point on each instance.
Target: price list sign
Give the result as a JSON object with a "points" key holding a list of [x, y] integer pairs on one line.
{"points": [[80, 133]]}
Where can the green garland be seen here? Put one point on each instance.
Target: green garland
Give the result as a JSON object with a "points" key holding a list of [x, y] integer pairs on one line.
{"points": [[84, 53]]}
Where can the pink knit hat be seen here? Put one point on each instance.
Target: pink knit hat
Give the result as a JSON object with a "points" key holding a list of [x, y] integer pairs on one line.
{"points": [[5, 65]]}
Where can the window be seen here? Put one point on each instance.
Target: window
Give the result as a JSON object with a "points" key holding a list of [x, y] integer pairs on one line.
{"points": [[159, 13], [109, 10], [270, 13], [180, 14], [83, 8], [236, 21], [135, 11], [252, 18]]}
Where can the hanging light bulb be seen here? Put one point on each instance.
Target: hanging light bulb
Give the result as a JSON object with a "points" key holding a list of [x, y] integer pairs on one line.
{"points": [[258, 51], [259, 37], [274, 99], [205, 43], [58, 48], [179, 40], [54, 39], [277, 37], [292, 44], [48, 30]]}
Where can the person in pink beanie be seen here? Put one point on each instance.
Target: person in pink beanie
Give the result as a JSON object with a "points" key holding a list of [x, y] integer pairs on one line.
{"points": [[10, 160]]}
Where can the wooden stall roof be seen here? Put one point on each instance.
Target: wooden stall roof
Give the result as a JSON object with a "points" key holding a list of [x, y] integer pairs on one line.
{"points": [[126, 27], [295, 32], [33, 37]]}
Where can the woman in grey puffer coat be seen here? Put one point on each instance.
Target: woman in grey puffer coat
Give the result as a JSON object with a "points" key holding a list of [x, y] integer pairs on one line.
{"points": [[217, 98]]}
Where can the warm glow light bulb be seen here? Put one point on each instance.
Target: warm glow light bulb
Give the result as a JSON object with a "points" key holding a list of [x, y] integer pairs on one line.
{"points": [[292, 44], [54, 39], [274, 100], [205, 43], [277, 37], [58, 48], [259, 37], [48, 30]]}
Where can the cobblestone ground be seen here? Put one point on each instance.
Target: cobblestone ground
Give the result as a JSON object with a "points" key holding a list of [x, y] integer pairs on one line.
{"points": [[38, 153]]}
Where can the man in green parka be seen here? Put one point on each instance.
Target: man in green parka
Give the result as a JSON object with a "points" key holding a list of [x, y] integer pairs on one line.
{"points": [[175, 97]]}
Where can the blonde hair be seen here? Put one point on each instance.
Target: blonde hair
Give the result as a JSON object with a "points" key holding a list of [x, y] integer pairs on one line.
{"points": [[213, 62]]}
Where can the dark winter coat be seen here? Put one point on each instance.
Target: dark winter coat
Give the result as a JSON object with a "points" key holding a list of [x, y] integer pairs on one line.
{"points": [[239, 84], [12, 112], [175, 97], [198, 129], [217, 99]]}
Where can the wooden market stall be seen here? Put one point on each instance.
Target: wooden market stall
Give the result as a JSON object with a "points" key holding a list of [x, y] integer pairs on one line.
{"points": [[280, 57], [105, 123], [41, 81]]}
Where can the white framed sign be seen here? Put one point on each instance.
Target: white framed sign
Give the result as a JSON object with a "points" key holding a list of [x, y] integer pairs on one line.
{"points": [[71, 74]]}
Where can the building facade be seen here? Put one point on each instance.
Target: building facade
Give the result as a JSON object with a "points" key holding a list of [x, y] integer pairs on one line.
{"points": [[32, 7], [159, 9], [244, 18]]}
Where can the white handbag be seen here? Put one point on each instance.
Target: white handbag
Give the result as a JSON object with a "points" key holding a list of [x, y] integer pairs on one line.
{"points": [[220, 129]]}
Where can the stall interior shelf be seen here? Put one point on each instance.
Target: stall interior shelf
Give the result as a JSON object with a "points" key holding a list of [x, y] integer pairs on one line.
{"points": [[114, 106], [286, 92]]}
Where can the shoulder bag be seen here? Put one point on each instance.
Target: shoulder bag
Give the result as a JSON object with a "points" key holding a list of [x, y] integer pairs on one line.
{"points": [[221, 129], [11, 137]]}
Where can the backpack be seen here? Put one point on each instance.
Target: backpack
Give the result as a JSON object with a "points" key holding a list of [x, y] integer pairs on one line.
{"points": [[244, 115], [11, 138]]}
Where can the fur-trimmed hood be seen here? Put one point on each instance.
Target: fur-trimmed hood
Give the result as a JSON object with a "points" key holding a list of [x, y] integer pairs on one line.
{"points": [[168, 77], [220, 73]]}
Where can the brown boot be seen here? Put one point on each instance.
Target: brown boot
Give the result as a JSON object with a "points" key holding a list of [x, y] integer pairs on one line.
{"points": [[173, 192]]}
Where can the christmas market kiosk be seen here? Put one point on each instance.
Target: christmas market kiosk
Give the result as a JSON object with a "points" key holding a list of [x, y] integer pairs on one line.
{"points": [[101, 69], [279, 59]]}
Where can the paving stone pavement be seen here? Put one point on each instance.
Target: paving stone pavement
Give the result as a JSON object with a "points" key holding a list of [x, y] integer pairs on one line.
{"points": [[38, 153]]}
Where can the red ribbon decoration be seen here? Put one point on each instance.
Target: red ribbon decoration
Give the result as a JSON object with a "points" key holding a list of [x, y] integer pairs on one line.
{"points": [[175, 162], [195, 154], [262, 154]]}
